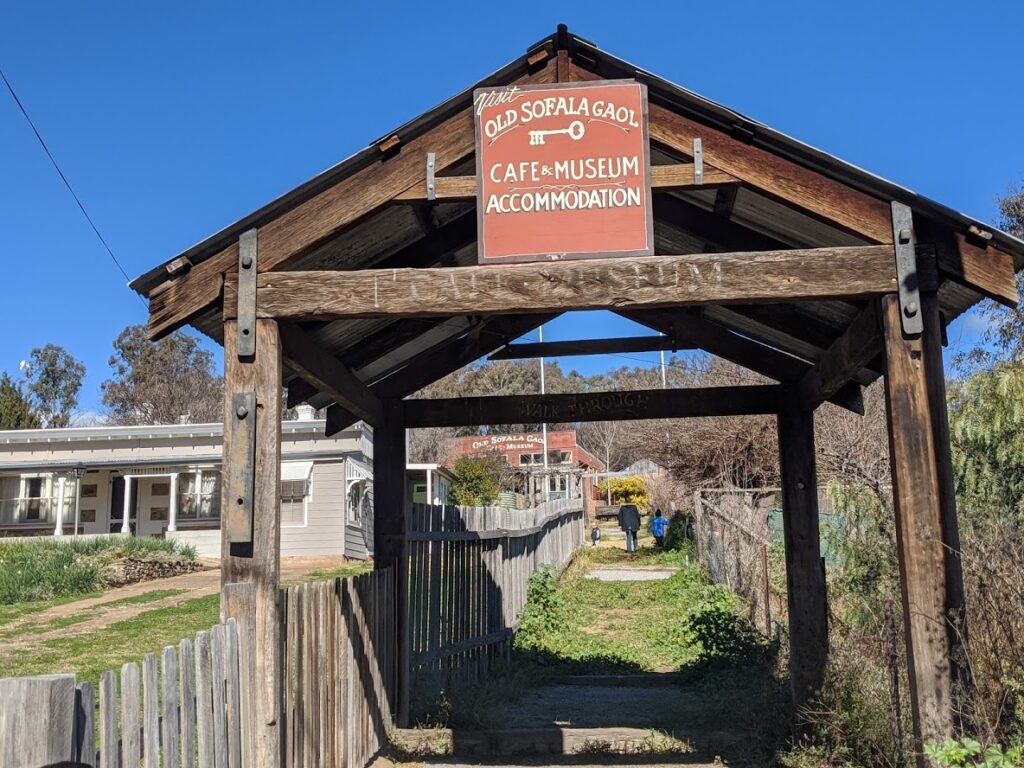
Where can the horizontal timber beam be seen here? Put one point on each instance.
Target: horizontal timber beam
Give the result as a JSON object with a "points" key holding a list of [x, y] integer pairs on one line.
{"points": [[860, 343], [328, 375], [592, 406], [588, 347], [747, 353], [610, 283], [663, 177]]}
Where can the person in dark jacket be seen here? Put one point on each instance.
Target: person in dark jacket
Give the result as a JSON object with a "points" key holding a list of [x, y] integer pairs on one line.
{"points": [[658, 526], [629, 522], [595, 534]]}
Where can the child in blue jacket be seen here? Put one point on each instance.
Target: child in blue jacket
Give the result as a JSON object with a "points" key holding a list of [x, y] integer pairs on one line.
{"points": [[658, 526]]}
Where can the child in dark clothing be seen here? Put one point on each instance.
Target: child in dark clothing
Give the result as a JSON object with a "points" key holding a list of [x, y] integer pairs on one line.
{"points": [[595, 534]]}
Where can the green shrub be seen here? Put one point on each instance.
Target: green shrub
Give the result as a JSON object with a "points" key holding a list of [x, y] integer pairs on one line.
{"points": [[722, 634], [678, 535], [45, 569], [544, 613], [968, 752]]}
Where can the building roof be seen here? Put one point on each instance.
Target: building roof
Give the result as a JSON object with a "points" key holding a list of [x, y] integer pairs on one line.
{"points": [[150, 431], [397, 357]]}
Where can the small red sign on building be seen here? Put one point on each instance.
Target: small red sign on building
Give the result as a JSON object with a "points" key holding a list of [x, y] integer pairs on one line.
{"points": [[563, 171]]}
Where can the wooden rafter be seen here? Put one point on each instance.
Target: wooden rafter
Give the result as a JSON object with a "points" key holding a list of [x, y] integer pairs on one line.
{"points": [[491, 333], [720, 341], [592, 406], [323, 216], [791, 344], [328, 375], [651, 281], [770, 174], [859, 345]]}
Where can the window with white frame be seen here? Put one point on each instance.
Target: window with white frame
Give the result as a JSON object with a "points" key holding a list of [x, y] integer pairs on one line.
{"points": [[294, 494], [199, 495], [10, 497], [355, 498], [34, 498]]}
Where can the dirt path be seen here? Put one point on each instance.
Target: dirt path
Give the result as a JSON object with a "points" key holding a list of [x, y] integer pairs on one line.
{"points": [[191, 585]]}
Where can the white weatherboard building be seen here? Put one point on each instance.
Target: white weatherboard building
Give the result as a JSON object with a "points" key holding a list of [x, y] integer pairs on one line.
{"points": [[165, 481]]}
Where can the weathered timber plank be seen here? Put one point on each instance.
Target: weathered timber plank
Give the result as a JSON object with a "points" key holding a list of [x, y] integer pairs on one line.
{"points": [[259, 563], [150, 711], [322, 216], [987, 270], [37, 720], [858, 346], [204, 701], [131, 721], [587, 347], [920, 520], [663, 178], [591, 406], [328, 375], [220, 716], [651, 281], [109, 753], [85, 725], [805, 573], [188, 704], [170, 739]]}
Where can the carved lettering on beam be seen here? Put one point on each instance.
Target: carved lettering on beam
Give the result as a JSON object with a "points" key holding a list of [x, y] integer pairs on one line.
{"points": [[612, 283], [592, 406]]}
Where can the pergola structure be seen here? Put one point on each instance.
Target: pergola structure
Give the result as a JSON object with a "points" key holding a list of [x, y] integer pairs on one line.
{"points": [[361, 286]]}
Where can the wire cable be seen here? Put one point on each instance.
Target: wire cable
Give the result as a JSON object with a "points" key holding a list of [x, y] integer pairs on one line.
{"points": [[64, 178]]}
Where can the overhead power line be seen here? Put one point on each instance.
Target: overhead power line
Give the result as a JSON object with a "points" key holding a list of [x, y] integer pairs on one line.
{"points": [[63, 178]]}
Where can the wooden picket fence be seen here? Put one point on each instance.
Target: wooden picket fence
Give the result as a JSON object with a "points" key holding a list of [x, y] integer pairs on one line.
{"points": [[189, 706], [183, 709], [468, 571], [342, 657], [339, 664]]}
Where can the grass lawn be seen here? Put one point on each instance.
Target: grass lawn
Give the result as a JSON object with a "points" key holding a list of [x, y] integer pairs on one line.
{"points": [[91, 653], [344, 571]]}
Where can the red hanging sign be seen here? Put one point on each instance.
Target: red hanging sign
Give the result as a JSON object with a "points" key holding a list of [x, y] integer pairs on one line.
{"points": [[563, 172]]}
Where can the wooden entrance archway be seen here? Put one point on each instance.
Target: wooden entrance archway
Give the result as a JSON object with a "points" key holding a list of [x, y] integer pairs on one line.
{"points": [[360, 287]]}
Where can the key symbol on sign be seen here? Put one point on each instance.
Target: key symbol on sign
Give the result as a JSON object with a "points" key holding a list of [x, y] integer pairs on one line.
{"points": [[575, 131]]}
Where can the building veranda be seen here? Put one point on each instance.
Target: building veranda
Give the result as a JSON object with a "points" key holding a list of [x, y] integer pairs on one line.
{"points": [[363, 285]]}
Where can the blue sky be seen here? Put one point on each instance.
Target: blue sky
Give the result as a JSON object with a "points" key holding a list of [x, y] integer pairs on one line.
{"points": [[173, 119]]}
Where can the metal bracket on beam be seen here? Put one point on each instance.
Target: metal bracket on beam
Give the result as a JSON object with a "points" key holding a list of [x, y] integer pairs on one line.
{"points": [[247, 294], [698, 162], [431, 185], [240, 474], [909, 282]]}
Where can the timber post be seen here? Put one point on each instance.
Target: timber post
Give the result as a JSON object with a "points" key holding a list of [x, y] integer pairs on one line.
{"points": [[251, 480], [926, 527], [389, 531], [805, 573]]}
